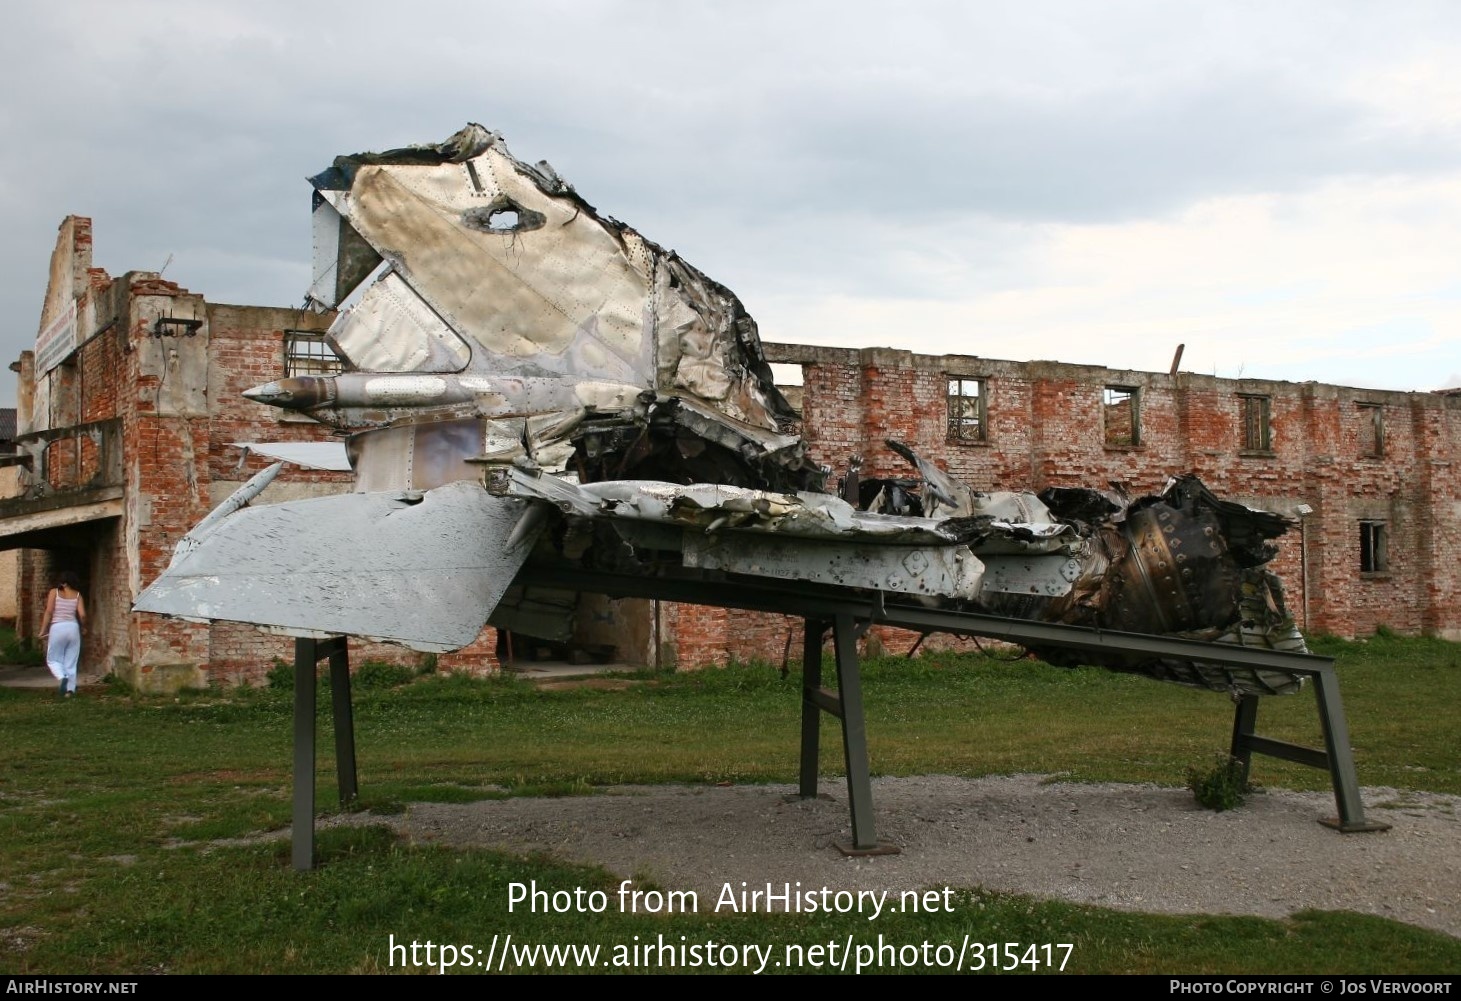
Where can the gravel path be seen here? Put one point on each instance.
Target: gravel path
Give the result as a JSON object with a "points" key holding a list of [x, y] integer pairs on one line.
{"points": [[1135, 847]]}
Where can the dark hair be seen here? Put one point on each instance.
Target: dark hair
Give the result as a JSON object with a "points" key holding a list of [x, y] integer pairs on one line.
{"points": [[69, 579]]}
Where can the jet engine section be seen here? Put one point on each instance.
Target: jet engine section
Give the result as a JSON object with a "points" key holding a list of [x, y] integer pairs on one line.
{"points": [[1180, 563]]}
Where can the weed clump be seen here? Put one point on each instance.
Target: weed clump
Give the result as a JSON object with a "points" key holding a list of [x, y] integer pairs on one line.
{"points": [[1224, 786], [378, 674], [280, 677], [117, 685]]}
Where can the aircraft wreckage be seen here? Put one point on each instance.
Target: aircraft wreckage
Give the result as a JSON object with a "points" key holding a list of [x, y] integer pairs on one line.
{"points": [[537, 395]]}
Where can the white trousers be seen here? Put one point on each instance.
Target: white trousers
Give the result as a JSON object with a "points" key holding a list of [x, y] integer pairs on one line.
{"points": [[63, 651]]}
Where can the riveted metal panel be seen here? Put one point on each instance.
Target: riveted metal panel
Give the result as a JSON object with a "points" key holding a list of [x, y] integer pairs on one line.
{"points": [[947, 571], [1048, 576]]}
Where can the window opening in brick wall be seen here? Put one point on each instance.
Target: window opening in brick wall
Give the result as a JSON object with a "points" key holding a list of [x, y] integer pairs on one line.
{"points": [[1372, 429], [1374, 550], [786, 374], [1121, 409], [967, 414], [1257, 436], [307, 353], [790, 379]]}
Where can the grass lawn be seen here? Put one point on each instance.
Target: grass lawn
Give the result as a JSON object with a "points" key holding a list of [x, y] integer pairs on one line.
{"points": [[120, 815]]}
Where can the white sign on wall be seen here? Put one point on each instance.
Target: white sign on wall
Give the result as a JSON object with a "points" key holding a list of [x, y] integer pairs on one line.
{"points": [[57, 340]]}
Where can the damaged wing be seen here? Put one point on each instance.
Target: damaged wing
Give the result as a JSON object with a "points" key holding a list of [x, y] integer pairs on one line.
{"points": [[433, 566]]}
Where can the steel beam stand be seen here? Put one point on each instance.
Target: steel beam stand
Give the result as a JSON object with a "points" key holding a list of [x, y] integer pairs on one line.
{"points": [[307, 655], [1337, 757], [303, 830], [819, 604], [813, 700], [846, 705], [1351, 819]]}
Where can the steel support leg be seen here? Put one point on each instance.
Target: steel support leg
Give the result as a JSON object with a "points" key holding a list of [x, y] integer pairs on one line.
{"points": [[305, 659], [1341, 756], [1245, 720], [854, 735], [307, 655], [814, 629], [1337, 757], [344, 713]]}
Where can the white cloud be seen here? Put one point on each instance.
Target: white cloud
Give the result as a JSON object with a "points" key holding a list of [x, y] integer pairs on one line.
{"points": [[1275, 184], [1356, 281]]}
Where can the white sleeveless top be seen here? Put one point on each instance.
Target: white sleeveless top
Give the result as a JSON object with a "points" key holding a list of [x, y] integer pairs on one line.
{"points": [[65, 609]]}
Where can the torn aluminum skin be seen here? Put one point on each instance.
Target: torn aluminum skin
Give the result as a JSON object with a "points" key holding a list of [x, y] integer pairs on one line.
{"points": [[815, 537], [935, 571], [494, 290]]}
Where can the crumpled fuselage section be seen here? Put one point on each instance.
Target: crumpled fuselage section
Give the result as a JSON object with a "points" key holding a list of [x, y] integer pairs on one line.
{"points": [[490, 291], [531, 380], [1162, 564]]}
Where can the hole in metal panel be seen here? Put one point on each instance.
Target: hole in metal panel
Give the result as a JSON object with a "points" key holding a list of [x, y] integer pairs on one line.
{"points": [[503, 215]]}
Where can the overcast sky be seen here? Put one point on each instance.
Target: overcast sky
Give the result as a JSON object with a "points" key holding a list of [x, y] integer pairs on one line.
{"points": [[1278, 185]]}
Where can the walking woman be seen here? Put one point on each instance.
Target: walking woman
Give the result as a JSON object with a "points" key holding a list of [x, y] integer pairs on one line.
{"points": [[65, 615]]}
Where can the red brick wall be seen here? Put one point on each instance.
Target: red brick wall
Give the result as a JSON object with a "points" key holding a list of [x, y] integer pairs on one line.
{"points": [[693, 635], [247, 349], [180, 406], [240, 653], [84, 391], [701, 636], [478, 657]]}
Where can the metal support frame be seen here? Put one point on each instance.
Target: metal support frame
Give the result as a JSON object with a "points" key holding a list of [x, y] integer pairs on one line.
{"points": [[854, 742], [1337, 757], [847, 614], [820, 604], [303, 828], [307, 655], [815, 701], [846, 705]]}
